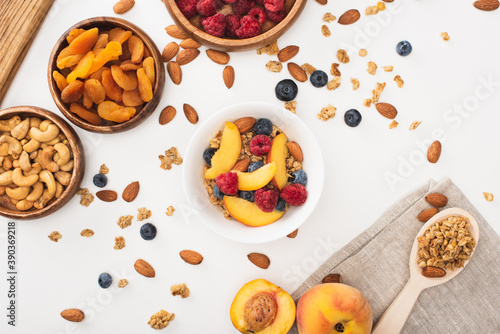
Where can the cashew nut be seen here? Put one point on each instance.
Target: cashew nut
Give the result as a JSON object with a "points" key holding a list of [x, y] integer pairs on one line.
{"points": [[7, 163], [15, 147], [67, 167], [8, 124], [59, 190], [43, 200], [36, 193], [4, 149], [18, 193], [63, 177], [14, 201], [25, 162], [24, 205], [53, 141], [38, 158], [6, 178], [2, 170], [31, 146], [15, 163], [48, 178], [33, 155], [21, 130], [35, 169], [47, 162], [2, 190], [44, 124], [64, 154], [35, 122], [50, 133], [23, 181], [23, 141]]}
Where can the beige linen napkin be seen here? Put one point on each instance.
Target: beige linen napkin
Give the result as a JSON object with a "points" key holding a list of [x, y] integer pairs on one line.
{"points": [[376, 262]]}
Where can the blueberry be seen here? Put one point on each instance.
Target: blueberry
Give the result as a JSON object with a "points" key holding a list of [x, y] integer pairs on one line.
{"points": [[352, 117], [148, 231], [248, 195], [286, 90], [281, 205], [319, 78], [404, 48], [254, 166], [217, 193], [263, 126], [100, 180], [300, 177], [208, 154], [105, 280]]}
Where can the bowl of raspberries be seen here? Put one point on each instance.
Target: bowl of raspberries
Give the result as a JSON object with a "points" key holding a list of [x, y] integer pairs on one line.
{"points": [[253, 172], [234, 25]]}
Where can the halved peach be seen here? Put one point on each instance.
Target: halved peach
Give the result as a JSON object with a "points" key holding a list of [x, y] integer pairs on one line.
{"points": [[258, 178], [249, 213], [228, 152], [278, 154], [260, 307]]}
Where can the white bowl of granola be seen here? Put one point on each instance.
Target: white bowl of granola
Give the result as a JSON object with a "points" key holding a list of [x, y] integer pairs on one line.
{"points": [[212, 212]]}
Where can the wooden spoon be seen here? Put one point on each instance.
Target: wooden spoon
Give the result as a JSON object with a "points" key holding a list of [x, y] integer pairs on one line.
{"points": [[394, 318]]}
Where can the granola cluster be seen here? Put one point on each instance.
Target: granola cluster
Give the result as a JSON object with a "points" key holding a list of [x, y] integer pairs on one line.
{"points": [[86, 197], [161, 319], [171, 156], [143, 214], [180, 290]]}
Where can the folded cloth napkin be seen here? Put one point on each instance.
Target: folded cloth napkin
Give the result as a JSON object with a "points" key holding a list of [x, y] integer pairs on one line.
{"points": [[376, 262]]}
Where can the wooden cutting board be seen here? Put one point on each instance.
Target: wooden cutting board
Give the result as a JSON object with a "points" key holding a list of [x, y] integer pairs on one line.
{"points": [[19, 23]]}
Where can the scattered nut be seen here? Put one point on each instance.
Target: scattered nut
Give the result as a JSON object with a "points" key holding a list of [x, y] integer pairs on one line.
{"points": [[87, 233], [55, 236]]}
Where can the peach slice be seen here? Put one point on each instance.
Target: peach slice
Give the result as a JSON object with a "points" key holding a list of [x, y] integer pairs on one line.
{"points": [[278, 154], [228, 152], [249, 213], [258, 178], [260, 307]]}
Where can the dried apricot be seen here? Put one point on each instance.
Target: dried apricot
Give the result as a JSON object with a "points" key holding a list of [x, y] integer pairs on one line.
{"points": [[64, 53], [136, 48], [102, 41], [73, 92], [89, 115], [98, 74], [82, 68], [74, 34], [69, 61], [125, 52], [95, 91], [87, 101], [114, 112], [149, 66], [113, 91], [147, 53], [145, 87], [119, 35], [84, 42], [127, 65], [126, 80], [111, 51], [60, 80], [132, 98]]}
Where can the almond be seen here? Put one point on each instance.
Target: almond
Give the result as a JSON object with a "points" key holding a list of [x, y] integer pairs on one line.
{"points": [[260, 260], [322, 2], [349, 17], [288, 53], [175, 72], [123, 6], [332, 278], [144, 268], [131, 191], [170, 51], [434, 152], [191, 114], [218, 57], [295, 150], [186, 56], [245, 124], [293, 234], [430, 271], [189, 44], [241, 165], [425, 215], [73, 314], [297, 72], [175, 32], [387, 110], [167, 114], [487, 5], [191, 257], [436, 199], [107, 195], [228, 76]]}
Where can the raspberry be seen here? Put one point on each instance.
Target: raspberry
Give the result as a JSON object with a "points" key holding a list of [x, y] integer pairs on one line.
{"points": [[187, 7], [294, 194], [227, 183], [260, 145], [276, 16], [206, 7], [249, 27], [258, 14], [219, 3], [243, 6], [233, 23], [230, 1], [266, 199], [214, 25], [260, 2], [274, 5]]}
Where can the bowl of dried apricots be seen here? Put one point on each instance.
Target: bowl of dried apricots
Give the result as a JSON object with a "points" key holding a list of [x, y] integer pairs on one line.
{"points": [[106, 75]]}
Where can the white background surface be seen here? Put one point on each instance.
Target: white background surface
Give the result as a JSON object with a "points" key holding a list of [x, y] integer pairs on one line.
{"points": [[438, 76]]}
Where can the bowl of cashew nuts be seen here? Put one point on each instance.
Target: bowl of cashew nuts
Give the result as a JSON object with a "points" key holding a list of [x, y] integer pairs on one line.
{"points": [[42, 162]]}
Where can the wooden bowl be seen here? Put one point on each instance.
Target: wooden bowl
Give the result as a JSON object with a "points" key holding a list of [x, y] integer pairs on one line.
{"points": [[270, 31], [106, 23], [7, 209]]}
